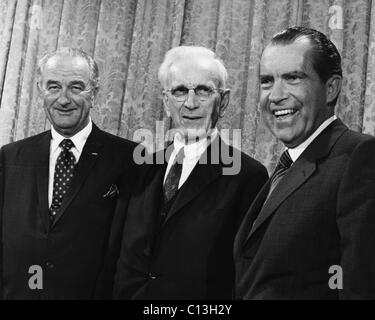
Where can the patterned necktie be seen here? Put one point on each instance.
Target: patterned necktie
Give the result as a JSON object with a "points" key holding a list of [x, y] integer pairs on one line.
{"points": [[173, 178], [63, 175], [281, 169]]}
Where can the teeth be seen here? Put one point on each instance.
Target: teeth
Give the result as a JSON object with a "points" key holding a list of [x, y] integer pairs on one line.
{"points": [[284, 112]]}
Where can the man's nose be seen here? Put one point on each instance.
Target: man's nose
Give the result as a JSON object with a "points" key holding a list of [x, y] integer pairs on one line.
{"points": [[64, 98], [278, 92], [191, 101]]}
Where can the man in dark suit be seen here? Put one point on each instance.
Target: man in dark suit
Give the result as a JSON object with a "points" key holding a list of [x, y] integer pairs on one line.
{"points": [[309, 234], [184, 212], [60, 233]]}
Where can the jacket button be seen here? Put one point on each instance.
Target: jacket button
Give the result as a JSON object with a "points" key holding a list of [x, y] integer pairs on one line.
{"points": [[152, 276], [50, 265]]}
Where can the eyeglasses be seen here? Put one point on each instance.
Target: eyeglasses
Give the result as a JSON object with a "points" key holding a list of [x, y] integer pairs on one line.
{"points": [[203, 92]]}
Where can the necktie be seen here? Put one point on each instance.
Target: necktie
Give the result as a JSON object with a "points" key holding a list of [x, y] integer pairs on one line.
{"points": [[63, 175], [173, 178], [281, 169]]}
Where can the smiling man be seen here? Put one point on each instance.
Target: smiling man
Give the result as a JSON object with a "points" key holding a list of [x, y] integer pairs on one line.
{"points": [[59, 192], [316, 213], [182, 218]]}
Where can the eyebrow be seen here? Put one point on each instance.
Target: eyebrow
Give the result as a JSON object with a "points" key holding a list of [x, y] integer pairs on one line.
{"points": [[300, 74], [77, 82], [52, 82], [265, 76], [195, 86], [74, 82]]}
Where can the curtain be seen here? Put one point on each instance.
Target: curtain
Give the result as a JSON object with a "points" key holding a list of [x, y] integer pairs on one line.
{"points": [[128, 39]]}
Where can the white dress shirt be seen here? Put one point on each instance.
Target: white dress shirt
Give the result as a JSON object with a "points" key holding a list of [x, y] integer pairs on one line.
{"points": [[79, 140], [192, 151], [297, 151]]}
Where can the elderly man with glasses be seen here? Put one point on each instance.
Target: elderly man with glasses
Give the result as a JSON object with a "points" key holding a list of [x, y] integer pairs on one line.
{"points": [[184, 213]]}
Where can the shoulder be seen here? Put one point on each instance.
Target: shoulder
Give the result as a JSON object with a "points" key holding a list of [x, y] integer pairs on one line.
{"points": [[351, 141], [115, 140], [114, 144], [246, 165], [252, 164], [27, 143]]}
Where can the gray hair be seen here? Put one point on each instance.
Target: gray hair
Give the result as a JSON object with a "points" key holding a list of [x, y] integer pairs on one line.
{"points": [[187, 53], [72, 52]]}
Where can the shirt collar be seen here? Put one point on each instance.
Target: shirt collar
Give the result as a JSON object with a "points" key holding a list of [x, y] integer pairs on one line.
{"points": [[194, 150], [297, 151], [79, 139]]}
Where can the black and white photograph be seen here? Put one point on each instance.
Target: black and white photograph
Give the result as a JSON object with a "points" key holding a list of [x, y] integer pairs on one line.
{"points": [[194, 155]]}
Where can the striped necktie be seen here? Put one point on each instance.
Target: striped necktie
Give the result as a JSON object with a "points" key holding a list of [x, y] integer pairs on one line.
{"points": [[281, 169], [173, 178]]}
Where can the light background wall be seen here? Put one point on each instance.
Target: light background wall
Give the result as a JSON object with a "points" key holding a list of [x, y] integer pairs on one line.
{"points": [[128, 38]]}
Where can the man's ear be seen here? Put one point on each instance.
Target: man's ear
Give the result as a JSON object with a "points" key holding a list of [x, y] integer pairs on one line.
{"points": [[166, 104], [333, 87], [94, 96], [224, 102]]}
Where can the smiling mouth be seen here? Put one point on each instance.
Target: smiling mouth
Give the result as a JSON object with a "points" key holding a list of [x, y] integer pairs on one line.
{"points": [[192, 117], [64, 110], [284, 113]]}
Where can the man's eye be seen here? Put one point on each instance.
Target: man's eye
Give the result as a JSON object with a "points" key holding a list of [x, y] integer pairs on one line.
{"points": [[265, 82], [53, 88], [203, 90], [76, 89], [179, 91], [292, 78]]}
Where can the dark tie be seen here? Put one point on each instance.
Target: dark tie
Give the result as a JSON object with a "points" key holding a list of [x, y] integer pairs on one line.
{"points": [[281, 169], [63, 175], [173, 178]]}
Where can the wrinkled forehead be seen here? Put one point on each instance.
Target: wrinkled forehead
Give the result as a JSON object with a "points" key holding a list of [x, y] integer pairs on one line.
{"points": [[67, 68], [194, 71]]}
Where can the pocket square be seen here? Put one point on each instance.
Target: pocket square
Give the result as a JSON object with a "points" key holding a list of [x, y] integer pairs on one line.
{"points": [[112, 192]]}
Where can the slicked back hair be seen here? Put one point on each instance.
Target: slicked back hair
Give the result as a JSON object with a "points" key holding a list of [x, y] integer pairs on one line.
{"points": [[187, 53], [326, 59], [72, 52]]}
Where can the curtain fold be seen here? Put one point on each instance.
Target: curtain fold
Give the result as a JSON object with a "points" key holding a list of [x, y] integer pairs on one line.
{"points": [[128, 39]]}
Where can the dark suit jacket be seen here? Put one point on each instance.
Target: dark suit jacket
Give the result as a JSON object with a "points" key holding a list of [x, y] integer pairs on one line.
{"points": [[190, 255], [321, 214], [86, 233]]}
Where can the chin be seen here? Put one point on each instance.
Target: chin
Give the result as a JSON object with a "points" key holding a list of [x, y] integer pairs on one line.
{"points": [[286, 139]]}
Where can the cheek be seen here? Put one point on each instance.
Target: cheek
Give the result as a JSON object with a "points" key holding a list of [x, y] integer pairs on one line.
{"points": [[211, 108], [175, 114], [263, 100], [80, 101], [49, 101]]}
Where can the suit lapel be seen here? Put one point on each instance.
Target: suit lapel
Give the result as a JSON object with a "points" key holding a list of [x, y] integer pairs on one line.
{"points": [[295, 177], [247, 222], [42, 174], [300, 171], [151, 202], [90, 153], [202, 175]]}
